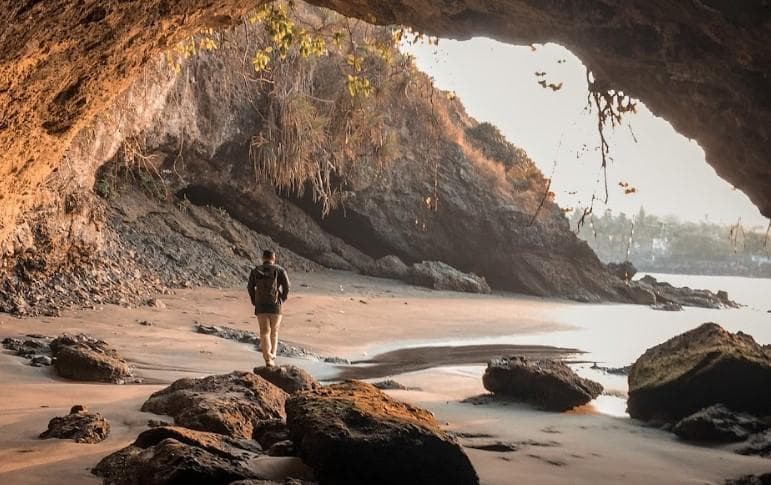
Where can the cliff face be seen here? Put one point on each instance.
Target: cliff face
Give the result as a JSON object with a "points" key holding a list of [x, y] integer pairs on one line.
{"points": [[449, 189], [438, 186], [702, 65]]}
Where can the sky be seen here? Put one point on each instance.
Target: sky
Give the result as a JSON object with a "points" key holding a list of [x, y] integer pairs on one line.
{"points": [[497, 83]]}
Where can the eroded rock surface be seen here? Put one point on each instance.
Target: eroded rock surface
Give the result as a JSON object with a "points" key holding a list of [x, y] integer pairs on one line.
{"points": [[549, 384], [35, 348], [171, 455], [704, 366], [230, 404], [290, 378], [85, 358], [441, 276], [717, 423], [666, 293], [79, 425], [353, 433]]}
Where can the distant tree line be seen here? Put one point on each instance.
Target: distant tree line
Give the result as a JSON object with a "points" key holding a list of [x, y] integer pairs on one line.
{"points": [[669, 245]]}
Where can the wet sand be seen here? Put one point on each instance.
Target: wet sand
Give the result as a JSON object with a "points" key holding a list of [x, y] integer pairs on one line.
{"points": [[355, 317], [413, 359]]}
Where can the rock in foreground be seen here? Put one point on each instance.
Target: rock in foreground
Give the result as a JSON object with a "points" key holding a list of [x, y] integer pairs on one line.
{"points": [[230, 404], [172, 455], [717, 423], [85, 358], [549, 384], [353, 433], [704, 366], [290, 378], [764, 479], [441, 276], [79, 425]]}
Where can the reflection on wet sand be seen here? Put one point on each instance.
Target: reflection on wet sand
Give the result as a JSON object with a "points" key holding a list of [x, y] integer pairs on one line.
{"points": [[419, 358]]}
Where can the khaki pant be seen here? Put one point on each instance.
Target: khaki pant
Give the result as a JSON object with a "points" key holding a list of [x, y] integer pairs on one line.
{"points": [[269, 324]]}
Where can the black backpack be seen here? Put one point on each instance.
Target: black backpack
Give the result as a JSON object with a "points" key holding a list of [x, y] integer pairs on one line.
{"points": [[266, 285]]}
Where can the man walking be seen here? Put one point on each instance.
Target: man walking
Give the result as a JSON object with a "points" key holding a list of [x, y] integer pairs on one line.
{"points": [[268, 288]]}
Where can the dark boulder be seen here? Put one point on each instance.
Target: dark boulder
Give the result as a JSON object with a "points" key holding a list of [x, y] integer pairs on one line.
{"points": [[353, 433], [548, 384], [717, 423], [282, 448], [79, 425], [85, 358], [624, 270], [290, 378], [704, 366], [172, 455], [269, 432], [764, 479], [441, 276], [230, 404], [389, 267]]}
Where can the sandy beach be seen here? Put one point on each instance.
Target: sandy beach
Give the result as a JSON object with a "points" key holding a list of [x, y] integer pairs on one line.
{"points": [[355, 317]]}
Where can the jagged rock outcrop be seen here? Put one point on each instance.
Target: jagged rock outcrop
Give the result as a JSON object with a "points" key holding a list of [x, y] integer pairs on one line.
{"points": [[352, 433], [85, 358], [665, 293], [79, 425], [230, 404], [704, 366], [549, 384]]}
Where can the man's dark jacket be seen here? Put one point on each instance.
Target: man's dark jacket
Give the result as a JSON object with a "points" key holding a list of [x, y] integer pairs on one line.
{"points": [[283, 288]]}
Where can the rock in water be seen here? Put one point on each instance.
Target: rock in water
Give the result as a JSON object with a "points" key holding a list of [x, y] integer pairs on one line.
{"points": [[79, 425], [230, 404], [549, 384], [85, 358], [441, 276], [704, 366], [717, 423], [353, 433], [290, 378], [172, 455]]}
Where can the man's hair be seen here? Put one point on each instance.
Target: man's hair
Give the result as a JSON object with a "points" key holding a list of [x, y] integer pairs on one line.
{"points": [[268, 254]]}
